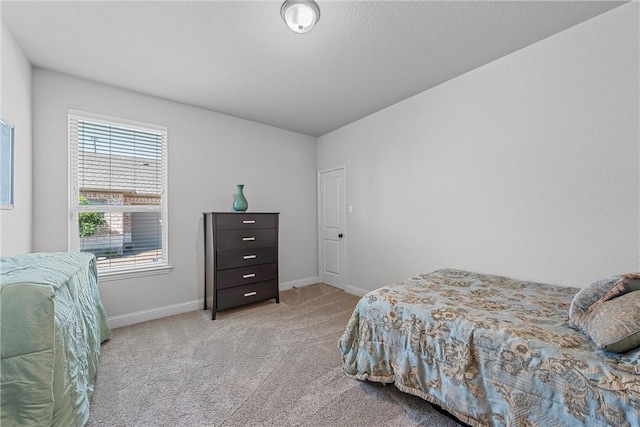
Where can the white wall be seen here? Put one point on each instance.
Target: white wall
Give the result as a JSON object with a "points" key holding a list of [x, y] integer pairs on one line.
{"points": [[208, 154], [15, 106], [525, 167]]}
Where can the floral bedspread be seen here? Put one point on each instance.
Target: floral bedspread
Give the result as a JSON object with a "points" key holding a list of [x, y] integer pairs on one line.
{"points": [[492, 351]]}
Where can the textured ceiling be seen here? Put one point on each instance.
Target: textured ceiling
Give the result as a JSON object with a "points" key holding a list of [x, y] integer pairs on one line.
{"points": [[239, 58]]}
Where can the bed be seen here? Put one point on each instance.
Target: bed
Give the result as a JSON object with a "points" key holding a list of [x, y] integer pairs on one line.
{"points": [[52, 323], [498, 352]]}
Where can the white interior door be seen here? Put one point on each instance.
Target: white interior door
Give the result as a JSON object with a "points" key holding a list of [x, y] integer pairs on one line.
{"points": [[332, 218]]}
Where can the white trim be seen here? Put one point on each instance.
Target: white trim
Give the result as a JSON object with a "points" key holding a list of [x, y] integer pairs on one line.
{"points": [[129, 273], [336, 168], [154, 313], [117, 121], [356, 291], [171, 310], [298, 283]]}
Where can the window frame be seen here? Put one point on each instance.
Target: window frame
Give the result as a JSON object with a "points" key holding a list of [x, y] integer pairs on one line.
{"points": [[74, 207]]}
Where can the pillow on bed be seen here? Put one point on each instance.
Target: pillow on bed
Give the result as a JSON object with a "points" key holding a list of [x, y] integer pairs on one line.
{"points": [[589, 297], [605, 313], [614, 325]]}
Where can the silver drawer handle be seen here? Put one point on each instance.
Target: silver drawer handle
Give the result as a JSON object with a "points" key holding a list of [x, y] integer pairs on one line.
{"points": [[248, 276], [250, 294], [248, 239], [249, 257], [246, 221]]}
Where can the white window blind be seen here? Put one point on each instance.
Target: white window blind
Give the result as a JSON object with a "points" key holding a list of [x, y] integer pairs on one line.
{"points": [[118, 197]]}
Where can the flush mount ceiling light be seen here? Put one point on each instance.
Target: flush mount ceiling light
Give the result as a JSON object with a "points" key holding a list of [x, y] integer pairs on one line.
{"points": [[299, 15]]}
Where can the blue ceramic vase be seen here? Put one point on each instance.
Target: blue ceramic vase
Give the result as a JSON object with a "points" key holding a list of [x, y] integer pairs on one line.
{"points": [[240, 203]]}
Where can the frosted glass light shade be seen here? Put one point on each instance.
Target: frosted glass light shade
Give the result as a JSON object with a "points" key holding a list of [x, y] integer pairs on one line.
{"points": [[300, 16]]}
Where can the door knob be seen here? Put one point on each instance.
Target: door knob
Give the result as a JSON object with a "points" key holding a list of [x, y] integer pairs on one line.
{"points": [[340, 235]]}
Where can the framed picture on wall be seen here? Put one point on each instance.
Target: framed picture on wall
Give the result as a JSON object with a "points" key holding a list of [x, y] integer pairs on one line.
{"points": [[6, 163]]}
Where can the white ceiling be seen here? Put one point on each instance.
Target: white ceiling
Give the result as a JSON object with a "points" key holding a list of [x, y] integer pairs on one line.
{"points": [[239, 58]]}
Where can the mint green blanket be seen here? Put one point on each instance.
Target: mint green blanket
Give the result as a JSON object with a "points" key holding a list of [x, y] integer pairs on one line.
{"points": [[51, 325]]}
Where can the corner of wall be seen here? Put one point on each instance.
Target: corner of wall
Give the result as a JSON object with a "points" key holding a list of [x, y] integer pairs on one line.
{"points": [[15, 106]]}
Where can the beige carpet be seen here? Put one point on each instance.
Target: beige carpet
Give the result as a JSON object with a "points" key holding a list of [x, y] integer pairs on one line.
{"points": [[265, 364]]}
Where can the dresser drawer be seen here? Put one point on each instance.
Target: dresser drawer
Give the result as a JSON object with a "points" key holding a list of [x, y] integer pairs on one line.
{"points": [[243, 276], [245, 257], [246, 294], [235, 239], [245, 221]]}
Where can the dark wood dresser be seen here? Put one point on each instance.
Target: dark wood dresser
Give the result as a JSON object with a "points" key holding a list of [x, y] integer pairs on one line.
{"points": [[240, 259]]}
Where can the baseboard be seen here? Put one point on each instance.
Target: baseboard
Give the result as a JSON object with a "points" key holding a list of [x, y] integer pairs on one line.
{"points": [[356, 291], [297, 283], [171, 310], [154, 313], [312, 280]]}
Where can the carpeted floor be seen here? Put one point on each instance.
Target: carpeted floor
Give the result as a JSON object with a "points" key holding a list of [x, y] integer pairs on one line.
{"points": [[265, 364]]}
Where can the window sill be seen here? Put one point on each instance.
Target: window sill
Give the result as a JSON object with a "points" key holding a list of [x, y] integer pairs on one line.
{"points": [[130, 273]]}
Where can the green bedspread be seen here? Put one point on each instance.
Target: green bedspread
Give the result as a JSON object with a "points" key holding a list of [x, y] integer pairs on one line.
{"points": [[52, 323]]}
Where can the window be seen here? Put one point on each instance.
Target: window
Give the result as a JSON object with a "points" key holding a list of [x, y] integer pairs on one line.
{"points": [[118, 193]]}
